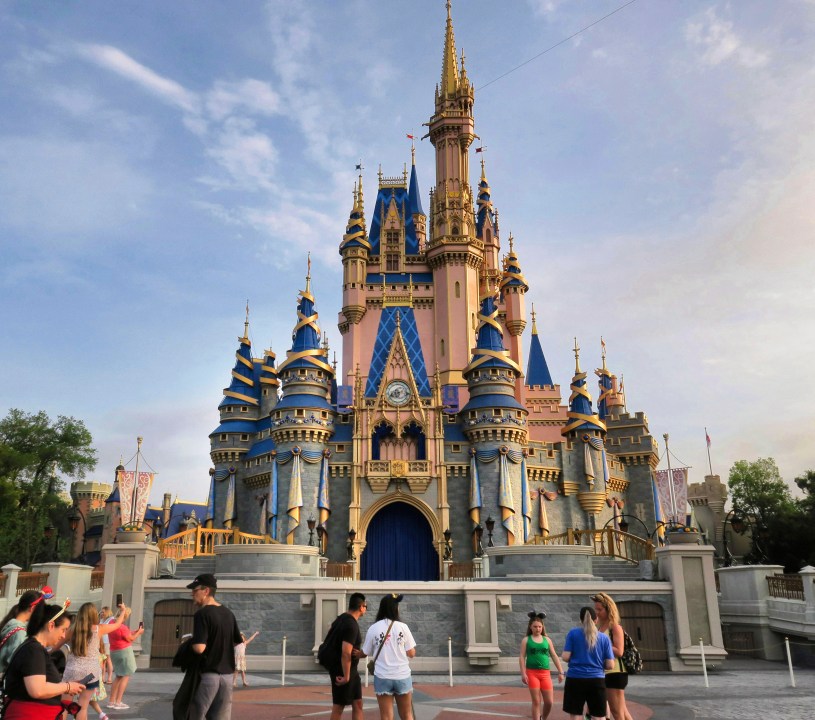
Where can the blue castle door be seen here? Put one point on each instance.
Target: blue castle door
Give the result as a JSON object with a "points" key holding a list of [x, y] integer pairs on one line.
{"points": [[399, 546]]}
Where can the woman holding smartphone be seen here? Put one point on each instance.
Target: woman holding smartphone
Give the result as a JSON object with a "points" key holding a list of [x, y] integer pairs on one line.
{"points": [[124, 661]]}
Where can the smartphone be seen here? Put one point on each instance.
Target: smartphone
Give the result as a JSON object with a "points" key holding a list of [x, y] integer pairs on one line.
{"points": [[88, 678], [119, 599], [141, 625]]}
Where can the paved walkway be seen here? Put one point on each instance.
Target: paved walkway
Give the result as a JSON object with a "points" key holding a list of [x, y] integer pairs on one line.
{"points": [[741, 688]]}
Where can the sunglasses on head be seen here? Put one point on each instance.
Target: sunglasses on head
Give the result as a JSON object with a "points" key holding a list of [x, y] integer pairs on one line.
{"points": [[536, 615]]}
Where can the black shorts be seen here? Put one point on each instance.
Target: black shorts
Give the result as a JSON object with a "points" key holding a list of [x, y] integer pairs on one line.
{"points": [[347, 693], [585, 691], [617, 681]]}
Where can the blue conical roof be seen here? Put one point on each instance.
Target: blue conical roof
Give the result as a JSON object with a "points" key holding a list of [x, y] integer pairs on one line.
{"points": [[489, 350], [414, 198], [243, 390], [512, 275], [484, 204], [537, 370], [355, 234], [580, 413], [606, 386]]}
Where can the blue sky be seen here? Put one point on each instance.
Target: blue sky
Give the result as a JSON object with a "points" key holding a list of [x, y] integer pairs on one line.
{"points": [[161, 163]]}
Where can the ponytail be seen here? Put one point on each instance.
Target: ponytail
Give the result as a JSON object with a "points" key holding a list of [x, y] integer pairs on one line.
{"points": [[27, 601], [587, 618]]}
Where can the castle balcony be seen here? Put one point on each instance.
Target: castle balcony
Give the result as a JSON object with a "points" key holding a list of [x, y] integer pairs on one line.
{"points": [[380, 474]]}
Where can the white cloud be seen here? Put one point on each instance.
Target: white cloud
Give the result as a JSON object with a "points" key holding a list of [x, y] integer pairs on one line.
{"points": [[720, 43], [255, 96], [115, 60]]}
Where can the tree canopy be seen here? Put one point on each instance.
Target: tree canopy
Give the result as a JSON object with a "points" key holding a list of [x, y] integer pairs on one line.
{"points": [[34, 451]]}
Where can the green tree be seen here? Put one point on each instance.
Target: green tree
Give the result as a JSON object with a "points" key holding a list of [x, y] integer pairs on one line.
{"points": [[34, 450]]}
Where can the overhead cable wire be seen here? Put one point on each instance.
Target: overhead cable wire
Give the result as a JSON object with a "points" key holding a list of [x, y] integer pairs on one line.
{"points": [[558, 44]]}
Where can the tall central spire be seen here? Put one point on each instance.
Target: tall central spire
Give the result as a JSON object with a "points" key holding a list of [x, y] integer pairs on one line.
{"points": [[449, 67]]}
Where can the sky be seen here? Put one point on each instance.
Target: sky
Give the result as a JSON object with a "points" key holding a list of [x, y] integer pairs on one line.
{"points": [[163, 163]]}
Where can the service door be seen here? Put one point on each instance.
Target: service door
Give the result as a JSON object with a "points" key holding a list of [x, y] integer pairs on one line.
{"points": [[172, 619], [645, 623]]}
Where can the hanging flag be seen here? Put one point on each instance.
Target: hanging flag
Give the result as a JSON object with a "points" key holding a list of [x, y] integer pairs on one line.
{"points": [[588, 464], [505, 500], [262, 522], [543, 519], [229, 507], [271, 505], [410, 137], [526, 509], [475, 490], [143, 484], [322, 495], [479, 149], [126, 480], [295, 498], [707, 438]]}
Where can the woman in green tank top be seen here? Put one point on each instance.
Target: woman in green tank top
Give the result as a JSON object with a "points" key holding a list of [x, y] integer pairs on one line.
{"points": [[537, 652]]}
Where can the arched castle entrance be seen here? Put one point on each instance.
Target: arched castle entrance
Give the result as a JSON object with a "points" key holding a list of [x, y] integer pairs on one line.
{"points": [[399, 545]]}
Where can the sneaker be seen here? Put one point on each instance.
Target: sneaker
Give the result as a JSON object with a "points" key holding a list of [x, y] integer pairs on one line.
{"points": [[103, 716], [122, 706], [112, 706]]}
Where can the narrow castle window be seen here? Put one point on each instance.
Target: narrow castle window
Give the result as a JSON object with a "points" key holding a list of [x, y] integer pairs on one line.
{"points": [[458, 289], [442, 347]]}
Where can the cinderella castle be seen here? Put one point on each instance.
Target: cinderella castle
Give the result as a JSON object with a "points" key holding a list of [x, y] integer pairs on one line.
{"points": [[439, 436]]}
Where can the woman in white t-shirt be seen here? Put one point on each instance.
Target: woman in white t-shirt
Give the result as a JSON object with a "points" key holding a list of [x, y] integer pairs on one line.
{"points": [[392, 669]]}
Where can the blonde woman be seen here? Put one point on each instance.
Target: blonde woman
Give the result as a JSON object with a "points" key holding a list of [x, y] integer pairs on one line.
{"points": [[124, 661], [589, 655], [84, 658], [608, 622]]}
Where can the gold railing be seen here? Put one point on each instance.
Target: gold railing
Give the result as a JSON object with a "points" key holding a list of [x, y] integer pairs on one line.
{"points": [[339, 570], [199, 541], [461, 571], [607, 542], [30, 581], [97, 579], [790, 587]]}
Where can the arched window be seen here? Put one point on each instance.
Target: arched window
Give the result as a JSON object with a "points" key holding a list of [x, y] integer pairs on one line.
{"points": [[442, 347], [458, 289]]}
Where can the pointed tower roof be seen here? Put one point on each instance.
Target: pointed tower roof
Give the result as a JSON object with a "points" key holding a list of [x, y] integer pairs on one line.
{"points": [[489, 350], [268, 372], [449, 66], [355, 231], [580, 414], [397, 319], [537, 370], [606, 385], [512, 275], [242, 390], [484, 203], [393, 197], [414, 197]]}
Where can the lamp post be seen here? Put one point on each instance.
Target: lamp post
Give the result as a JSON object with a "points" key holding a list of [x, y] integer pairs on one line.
{"points": [[312, 523], [448, 548], [742, 522], [50, 531], [321, 539], [490, 523], [158, 524], [352, 534], [478, 532], [624, 525], [73, 523]]}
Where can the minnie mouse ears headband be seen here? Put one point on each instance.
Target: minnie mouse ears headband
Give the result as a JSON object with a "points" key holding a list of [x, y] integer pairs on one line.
{"points": [[398, 598], [536, 615], [45, 594]]}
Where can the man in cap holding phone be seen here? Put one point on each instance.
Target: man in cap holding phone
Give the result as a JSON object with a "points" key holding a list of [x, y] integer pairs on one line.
{"points": [[214, 636]]}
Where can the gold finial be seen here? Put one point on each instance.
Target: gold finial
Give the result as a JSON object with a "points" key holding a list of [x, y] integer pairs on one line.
{"points": [[511, 244], [449, 67], [576, 358], [360, 196], [483, 172], [398, 319], [603, 351], [325, 342], [412, 153], [246, 324], [355, 197], [404, 173], [379, 174], [308, 274], [334, 362], [534, 326]]}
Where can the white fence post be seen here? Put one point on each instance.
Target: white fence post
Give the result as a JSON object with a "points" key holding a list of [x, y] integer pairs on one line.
{"points": [[704, 664], [283, 664], [450, 658], [789, 661]]}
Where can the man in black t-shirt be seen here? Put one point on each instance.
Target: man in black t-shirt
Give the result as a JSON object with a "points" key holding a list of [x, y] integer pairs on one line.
{"points": [[214, 636], [346, 686]]}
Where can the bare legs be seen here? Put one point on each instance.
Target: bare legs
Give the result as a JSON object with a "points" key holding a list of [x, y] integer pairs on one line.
{"points": [[118, 688], [616, 703]]}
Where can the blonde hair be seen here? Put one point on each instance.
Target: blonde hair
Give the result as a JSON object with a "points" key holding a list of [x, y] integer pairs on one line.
{"points": [[587, 618], [611, 607], [86, 619]]}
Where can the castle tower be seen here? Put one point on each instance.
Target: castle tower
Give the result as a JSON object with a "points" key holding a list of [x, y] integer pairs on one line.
{"points": [[113, 510], [606, 386], [513, 289], [486, 226], [239, 412], [415, 204], [355, 249], [269, 383], [541, 395], [89, 498], [302, 423], [453, 251], [494, 422]]}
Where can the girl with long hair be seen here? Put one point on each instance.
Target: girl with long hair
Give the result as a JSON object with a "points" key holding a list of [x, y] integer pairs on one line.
{"points": [[537, 653], [34, 687], [12, 627], [392, 643], [608, 622], [589, 655], [83, 658]]}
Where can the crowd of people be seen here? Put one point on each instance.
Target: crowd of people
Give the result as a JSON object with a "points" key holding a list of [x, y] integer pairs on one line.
{"points": [[54, 661]]}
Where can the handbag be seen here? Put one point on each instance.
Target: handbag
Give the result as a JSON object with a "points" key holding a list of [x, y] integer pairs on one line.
{"points": [[372, 661]]}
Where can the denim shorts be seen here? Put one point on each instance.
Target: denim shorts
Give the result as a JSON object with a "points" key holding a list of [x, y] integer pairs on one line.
{"points": [[387, 686]]}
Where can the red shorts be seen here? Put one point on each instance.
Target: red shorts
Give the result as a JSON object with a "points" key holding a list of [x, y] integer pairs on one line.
{"points": [[539, 679]]}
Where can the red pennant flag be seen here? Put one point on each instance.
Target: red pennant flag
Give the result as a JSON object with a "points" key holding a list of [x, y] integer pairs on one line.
{"points": [[479, 149], [707, 438], [410, 137]]}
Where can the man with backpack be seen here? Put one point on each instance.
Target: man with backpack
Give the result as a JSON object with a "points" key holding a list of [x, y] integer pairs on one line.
{"points": [[340, 654]]}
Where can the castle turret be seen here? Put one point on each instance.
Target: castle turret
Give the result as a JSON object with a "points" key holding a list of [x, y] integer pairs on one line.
{"points": [[269, 383], [513, 290], [486, 226], [302, 422], [495, 424], [454, 253], [354, 249], [415, 204]]}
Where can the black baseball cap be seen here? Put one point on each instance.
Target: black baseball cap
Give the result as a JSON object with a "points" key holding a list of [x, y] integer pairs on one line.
{"points": [[204, 580]]}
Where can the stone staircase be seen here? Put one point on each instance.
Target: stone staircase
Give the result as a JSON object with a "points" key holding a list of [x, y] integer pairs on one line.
{"points": [[194, 566], [614, 570]]}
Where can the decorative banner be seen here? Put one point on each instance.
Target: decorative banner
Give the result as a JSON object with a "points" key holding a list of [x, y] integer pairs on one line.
{"points": [[588, 464], [526, 509], [210, 501], [127, 481], [543, 519], [142, 495], [322, 497], [680, 493], [262, 522], [475, 490], [659, 515], [345, 397], [505, 500], [295, 497], [449, 398], [229, 508], [271, 502]]}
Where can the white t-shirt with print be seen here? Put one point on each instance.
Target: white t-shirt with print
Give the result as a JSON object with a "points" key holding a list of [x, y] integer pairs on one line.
{"points": [[392, 663]]}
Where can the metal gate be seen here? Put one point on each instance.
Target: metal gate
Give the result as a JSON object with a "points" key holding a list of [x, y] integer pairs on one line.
{"points": [[645, 623], [172, 619]]}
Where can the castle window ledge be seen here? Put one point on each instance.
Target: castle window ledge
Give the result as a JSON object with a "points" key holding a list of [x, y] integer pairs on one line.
{"points": [[481, 655]]}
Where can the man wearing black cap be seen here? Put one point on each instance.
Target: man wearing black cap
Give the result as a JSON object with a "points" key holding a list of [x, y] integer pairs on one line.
{"points": [[214, 636]]}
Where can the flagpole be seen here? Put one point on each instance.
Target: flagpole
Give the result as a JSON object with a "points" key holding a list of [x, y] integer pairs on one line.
{"points": [[707, 442], [136, 483]]}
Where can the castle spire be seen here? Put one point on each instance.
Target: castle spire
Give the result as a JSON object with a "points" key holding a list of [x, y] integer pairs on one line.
{"points": [[580, 413], [449, 65], [537, 370], [243, 389], [607, 382]]}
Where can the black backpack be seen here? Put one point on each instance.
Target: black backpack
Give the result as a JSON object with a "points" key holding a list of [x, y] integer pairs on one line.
{"points": [[632, 661], [327, 653]]}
